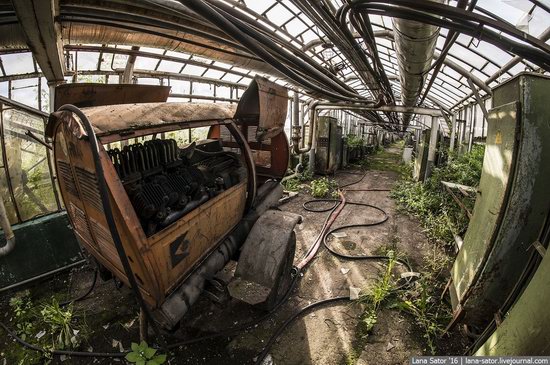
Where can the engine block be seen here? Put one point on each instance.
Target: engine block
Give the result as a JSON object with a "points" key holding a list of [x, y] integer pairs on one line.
{"points": [[165, 182]]}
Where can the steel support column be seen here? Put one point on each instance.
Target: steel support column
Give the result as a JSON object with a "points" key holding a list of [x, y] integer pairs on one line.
{"points": [[433, 147], [128, 75], [453, 133], [480, 101]]}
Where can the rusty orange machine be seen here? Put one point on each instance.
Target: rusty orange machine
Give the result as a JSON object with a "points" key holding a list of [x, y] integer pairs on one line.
{"points": [[163, 195]]}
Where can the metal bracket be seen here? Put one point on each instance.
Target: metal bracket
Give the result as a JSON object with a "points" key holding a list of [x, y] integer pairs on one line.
{"points": [[478, 98]]}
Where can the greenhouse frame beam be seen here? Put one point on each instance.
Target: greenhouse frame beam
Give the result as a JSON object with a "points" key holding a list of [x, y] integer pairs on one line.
{"points": [[158, 56], [43, 35]]}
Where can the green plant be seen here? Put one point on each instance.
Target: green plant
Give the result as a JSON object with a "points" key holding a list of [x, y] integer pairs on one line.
{"points": [[383, 287], [142, 354], [294, 184], [45, 324], [306, 175], [355, 141], [21, 306], [323, 187], [430, 314], [60, 323], [373, 298], [378, 294]]}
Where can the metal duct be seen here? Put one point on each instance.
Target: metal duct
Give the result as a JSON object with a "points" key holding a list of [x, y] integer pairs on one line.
{"points": [[415, 45]]}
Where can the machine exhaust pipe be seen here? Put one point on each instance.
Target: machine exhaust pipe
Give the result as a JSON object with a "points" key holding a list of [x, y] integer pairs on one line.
{"points": [[415, 45]]}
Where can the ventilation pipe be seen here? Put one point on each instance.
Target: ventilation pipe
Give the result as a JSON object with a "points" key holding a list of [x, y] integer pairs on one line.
{"points": [[415, 45], [8, 232]]}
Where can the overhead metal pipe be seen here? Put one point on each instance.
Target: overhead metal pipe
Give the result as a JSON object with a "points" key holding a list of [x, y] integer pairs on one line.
{"points": [[415, 45]]}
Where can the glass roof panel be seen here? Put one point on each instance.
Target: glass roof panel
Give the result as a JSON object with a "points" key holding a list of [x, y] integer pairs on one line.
{"points": [[18, 63], [288, 24], [170, 66]]}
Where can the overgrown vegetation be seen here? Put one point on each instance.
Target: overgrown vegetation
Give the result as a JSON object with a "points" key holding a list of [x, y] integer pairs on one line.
{"points": [[439, 214], [386, 160], [355, 141], [419, 300], [324, 187], [380, 294], [429, 312], [296, 183], [46, 325]]}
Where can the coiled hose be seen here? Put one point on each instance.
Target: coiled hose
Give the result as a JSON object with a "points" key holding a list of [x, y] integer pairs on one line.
{"points": [[335, 210]]}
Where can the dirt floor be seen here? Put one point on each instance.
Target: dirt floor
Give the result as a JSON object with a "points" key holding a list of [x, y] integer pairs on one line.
{"points": [[331, 335]]}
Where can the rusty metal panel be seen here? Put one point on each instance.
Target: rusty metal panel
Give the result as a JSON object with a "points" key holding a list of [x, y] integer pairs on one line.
{"points": [[180, 247], [266, 103], [87, 95], [513, 199], [124, 119]]}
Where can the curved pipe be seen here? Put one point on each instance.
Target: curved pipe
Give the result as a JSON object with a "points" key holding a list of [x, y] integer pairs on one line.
{"points": [[8, 232], [296, 129]]}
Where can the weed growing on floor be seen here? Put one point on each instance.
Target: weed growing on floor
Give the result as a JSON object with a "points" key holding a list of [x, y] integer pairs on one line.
{"points": [[59, 322], [324, 187], [439, 214], [422, 300], [45, 324], [380, 294], [142, 354], [295, 184]]}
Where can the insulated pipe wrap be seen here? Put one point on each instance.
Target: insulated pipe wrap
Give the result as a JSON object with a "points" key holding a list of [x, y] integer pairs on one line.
{"points": [[415, 45]]}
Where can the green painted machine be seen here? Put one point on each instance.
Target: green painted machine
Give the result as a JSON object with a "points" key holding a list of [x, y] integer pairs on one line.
{"points": [[328, 154], [525, 330], [512, 201]]}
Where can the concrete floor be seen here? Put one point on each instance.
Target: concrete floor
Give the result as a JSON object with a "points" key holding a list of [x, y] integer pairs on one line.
{"points": [[326, 336]]}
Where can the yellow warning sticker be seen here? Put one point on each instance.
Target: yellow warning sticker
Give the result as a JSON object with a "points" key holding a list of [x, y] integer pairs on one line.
{"points": [[498, 138]]}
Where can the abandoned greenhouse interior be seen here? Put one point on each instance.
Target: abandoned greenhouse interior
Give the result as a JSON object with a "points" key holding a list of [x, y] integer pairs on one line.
{"points": [[274, 182]]}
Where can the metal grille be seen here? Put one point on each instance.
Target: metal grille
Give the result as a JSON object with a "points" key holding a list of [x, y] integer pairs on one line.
{"points": [[67, 178], [81, 224], [89, 188], [102, 235]]}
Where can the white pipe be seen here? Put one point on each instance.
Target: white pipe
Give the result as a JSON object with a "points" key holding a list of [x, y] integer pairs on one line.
{"points": [[8, 232]]}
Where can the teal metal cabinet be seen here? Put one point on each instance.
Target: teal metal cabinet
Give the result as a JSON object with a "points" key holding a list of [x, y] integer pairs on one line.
{"points": [[43, 246], [328, 153], [512, 200]]}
